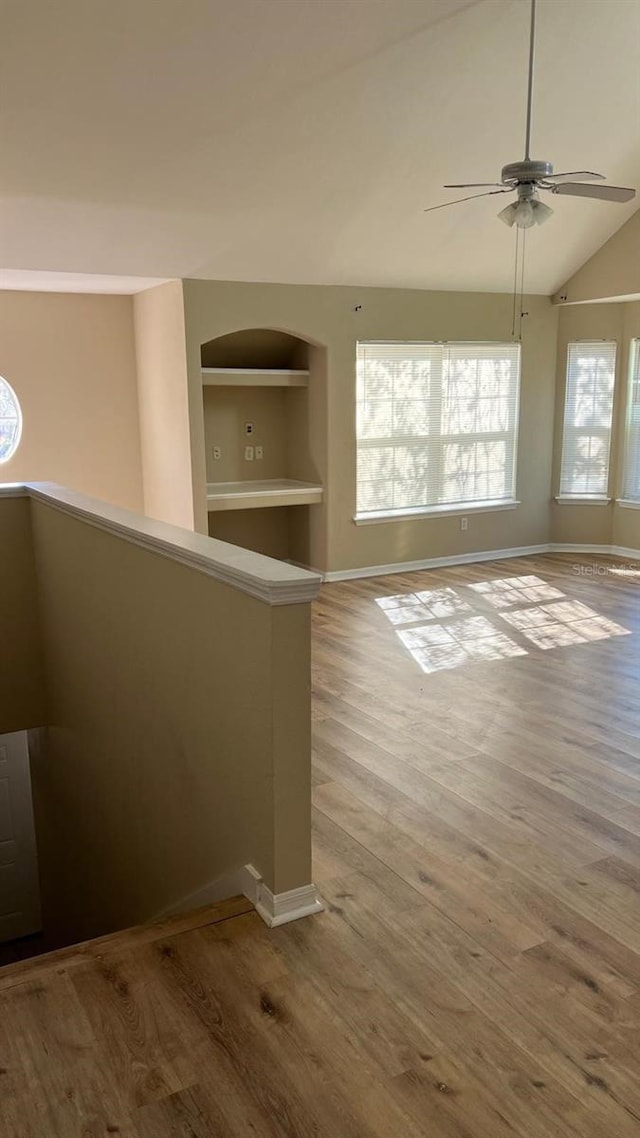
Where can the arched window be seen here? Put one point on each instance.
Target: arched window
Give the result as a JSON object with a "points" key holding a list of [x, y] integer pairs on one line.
{"points": [[10, 421]]}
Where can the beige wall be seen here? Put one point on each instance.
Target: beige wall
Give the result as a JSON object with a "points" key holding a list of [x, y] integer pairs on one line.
{"points": [[290, 709], [626, 522], [581, 523], [613, 271], [265, 530], [226, 410], [307, 429], [71, 360], [626, 528], [177, 746], [164, 404], [326, 316], [21, 692]]}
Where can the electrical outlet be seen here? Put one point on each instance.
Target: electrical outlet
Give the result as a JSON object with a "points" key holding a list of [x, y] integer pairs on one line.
{"points": [[248, 454], [248, 429], [464, 523], [217, 453], [259, 453]]}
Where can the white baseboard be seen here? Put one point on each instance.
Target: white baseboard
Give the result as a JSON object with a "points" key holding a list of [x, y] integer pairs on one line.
{"points": [[483, 555], [280, 908], [622, 551], [573, 547], [435, 562], [603, 550], [274, 908]]}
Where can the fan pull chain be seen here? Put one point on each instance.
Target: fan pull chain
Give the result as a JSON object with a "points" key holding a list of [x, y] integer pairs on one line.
{"points": [[521, 305], [515, 287], [518, 285]]}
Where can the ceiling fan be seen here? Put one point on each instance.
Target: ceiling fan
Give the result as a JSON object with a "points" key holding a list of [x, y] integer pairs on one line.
{"points": [[529, 176]]}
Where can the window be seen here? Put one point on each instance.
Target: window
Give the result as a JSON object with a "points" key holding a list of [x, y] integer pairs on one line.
{"points": [[586, 440], [10, 421], [436, 425], [631, 476]]}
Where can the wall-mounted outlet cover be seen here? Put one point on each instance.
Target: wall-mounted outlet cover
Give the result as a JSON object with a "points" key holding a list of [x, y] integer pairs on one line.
{"points": [[248, 429], [248, 454], [259, 453], [464, 523], [217, 453]]}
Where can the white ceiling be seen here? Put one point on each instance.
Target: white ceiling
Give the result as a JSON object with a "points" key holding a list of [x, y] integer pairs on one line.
{"points": [[300, 140]]}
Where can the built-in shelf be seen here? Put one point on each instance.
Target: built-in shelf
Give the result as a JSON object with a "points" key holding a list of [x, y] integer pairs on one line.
{"points": [[268, 492], [253, 377]]}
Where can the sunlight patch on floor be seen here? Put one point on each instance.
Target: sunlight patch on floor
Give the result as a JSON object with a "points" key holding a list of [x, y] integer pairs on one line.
{"points": [[443, 636], [437, 646], [570, 622], [432, 605], [516, 590]]}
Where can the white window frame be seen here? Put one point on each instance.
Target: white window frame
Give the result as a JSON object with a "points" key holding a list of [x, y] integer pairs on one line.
{"points": [[444, 508], [631, 484], [570, 430], [18, 417]]}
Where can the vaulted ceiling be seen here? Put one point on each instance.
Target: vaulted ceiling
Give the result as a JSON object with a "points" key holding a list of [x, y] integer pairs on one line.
{"points": [[300, 140]]}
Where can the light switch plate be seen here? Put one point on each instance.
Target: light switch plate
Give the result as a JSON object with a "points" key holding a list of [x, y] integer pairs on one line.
{"points": [[248, 454]]}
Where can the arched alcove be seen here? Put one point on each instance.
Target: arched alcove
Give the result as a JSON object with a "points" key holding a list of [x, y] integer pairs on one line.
{"points": [[264, 411], [256, 348]]}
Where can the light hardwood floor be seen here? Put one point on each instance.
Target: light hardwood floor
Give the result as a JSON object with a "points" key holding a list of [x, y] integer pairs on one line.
{"points": [[477, 842]]}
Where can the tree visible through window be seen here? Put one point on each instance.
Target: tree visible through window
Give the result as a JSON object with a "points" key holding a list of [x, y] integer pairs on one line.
{"points": [[586, 440], [436, 424], [10, 421]]}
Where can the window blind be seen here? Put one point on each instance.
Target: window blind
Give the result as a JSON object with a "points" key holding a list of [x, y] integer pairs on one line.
{"points": [[436, 424], [586, 439], [631, 476]]}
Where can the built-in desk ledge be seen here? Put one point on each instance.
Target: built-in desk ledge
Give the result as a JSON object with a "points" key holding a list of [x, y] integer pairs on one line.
{"points": [[628, 503], [275, 582], [265, 492], [582, 500], [253, 377]]}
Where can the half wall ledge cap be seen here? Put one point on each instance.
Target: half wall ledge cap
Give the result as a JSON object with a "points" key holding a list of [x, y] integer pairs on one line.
{"points": [[275, 582]]}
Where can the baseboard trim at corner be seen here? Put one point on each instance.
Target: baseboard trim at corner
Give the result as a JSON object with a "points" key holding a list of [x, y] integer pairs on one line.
{"points": [[623, 551], [280, 908], [436, 562], [603, 550], [579, 547]]}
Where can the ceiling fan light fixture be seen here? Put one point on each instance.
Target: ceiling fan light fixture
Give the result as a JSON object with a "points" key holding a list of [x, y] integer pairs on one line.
{"points": [[508, 214], [541, 212], [525, 213]]}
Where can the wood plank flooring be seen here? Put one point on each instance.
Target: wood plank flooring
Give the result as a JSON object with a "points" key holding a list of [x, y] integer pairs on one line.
{"points": [[477, 842]]}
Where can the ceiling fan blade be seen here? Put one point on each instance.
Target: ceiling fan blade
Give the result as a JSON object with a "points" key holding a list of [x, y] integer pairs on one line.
{"points": [[472, 185], [604, 193], [574, 175], [507, 190]]}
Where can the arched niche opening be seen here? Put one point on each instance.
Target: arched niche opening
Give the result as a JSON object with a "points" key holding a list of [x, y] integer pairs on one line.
{"points": [[256, 348], [264, 403]]}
